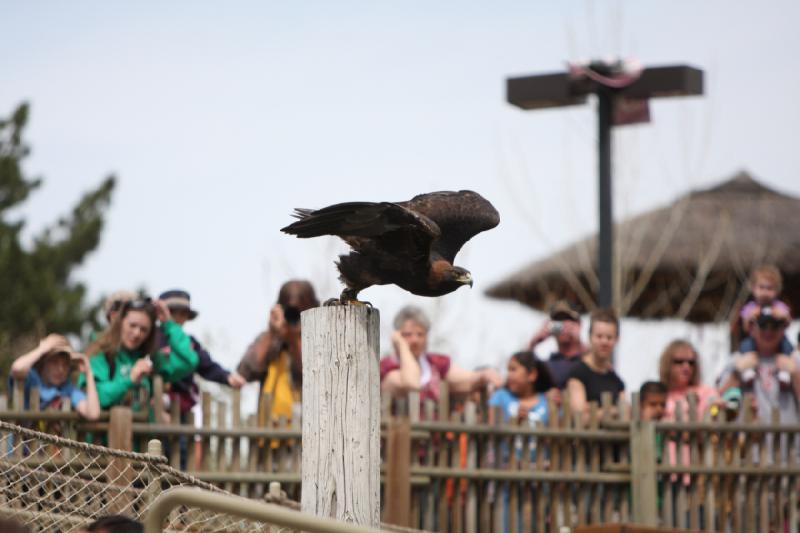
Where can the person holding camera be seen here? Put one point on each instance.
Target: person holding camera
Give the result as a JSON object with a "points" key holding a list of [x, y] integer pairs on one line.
{"points": [[771, 376], [564, 325], [274, 358]]}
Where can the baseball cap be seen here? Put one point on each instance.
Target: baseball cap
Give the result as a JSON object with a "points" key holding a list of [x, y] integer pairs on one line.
{"points": [[562, 310]]}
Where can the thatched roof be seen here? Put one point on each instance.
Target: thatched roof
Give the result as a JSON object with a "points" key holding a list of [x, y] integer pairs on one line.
{"points": [[688, 260]]}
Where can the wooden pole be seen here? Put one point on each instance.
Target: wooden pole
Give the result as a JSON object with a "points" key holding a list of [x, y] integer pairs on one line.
{"points": [[643, 473], [398, 473], [341, 414], [120, 437]]}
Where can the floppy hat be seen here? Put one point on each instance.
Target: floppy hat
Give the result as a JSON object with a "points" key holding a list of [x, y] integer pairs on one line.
{"points": [[178, 299], [64, 349]]}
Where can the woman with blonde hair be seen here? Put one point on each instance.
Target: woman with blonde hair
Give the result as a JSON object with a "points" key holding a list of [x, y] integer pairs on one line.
{"points": [[679, 370]]}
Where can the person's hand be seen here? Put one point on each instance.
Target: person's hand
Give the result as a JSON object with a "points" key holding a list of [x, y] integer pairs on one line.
{"points": [[491, 377], [235, 380], [399, 342], [786, 363], [162, 311], [541, 334], [277, 322], [779, 312], [81, 360], [555, 395], [52, 341], [141, 368], [745, 361]]}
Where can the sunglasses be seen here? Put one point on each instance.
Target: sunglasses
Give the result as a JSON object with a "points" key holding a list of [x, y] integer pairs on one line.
{"points": [[139, 303], [678, 362]]}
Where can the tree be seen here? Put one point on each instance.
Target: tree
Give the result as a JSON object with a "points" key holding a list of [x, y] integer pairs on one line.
{"points": [[39, 292]]}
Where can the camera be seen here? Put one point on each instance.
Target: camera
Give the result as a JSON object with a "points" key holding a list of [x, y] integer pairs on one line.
{"points": [[556, 327], [291, 314]]}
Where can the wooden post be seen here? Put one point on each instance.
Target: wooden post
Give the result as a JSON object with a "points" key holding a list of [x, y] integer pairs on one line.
{"points": [[341, 414], [643, 473], [158, 399], [398, 475], [120, 437]]}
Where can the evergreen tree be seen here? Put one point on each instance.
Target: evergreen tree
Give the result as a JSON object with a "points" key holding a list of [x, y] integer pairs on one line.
{"points": [[38, 294]]}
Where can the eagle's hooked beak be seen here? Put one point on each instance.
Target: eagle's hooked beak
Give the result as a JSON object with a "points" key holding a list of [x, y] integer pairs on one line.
{"points": [[466, 279]]}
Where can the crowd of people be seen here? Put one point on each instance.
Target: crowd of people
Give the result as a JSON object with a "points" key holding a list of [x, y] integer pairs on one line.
{"points": [[146, 337]]}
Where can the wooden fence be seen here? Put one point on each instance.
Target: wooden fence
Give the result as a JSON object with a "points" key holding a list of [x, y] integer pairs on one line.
{"points": [[469, 471]]}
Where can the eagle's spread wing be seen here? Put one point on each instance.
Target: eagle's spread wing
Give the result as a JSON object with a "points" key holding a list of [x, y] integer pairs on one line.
{"points": [[390, 226], [460, 216]]}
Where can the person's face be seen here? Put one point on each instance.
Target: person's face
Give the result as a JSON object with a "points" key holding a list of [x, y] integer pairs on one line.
{"points": [[603, 338], [55, 370], [764, 291], [179, 314], [136, 327], [684, 363], [654, 406], [519, 379], [768, 336], [570, 332], [416, 337]]}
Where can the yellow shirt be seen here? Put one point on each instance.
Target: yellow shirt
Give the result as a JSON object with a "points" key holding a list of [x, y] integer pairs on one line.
{"points": [[278, 384]]}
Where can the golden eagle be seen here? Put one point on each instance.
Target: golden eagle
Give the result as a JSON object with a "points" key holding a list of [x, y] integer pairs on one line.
{"points": [[411, 244]]}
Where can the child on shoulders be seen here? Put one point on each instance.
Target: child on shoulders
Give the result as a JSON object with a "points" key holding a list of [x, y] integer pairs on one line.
{"points": [[766, 284]]}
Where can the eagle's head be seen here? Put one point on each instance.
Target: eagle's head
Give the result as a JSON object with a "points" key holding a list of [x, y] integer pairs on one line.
{"points": [[462, 276], [444, 278]]}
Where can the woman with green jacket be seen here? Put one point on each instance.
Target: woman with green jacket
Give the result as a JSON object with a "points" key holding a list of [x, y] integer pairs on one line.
{"points": [[125, 358]]}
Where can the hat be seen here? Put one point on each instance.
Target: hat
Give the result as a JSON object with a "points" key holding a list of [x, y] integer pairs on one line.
{"points": [[62, 349], [562, 310], [116, 299], [178, 299]]}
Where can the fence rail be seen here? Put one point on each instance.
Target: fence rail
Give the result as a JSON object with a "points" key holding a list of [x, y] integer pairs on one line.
{"points": [[470, 471]]}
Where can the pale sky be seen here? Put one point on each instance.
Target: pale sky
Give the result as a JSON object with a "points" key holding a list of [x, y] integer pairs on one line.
{"points": [[221, 118]]}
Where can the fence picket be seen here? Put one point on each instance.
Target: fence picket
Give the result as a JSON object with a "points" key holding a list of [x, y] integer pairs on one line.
{"points": [[174, 442], [749, 484], [205, 447], [430, 495], [471, 507], [444, 444], [696, 482]]}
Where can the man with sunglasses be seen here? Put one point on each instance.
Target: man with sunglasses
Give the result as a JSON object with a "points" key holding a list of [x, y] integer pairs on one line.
{"points": [[771, 376]]}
